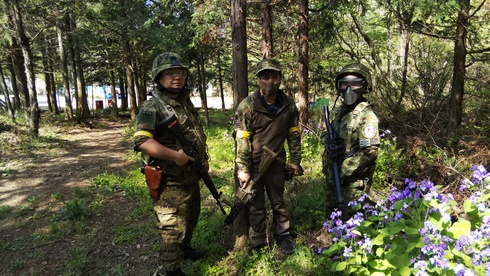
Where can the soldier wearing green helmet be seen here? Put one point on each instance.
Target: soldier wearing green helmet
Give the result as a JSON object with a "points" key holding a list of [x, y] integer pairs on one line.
{"points": [[357, 138], [178, 204], [268, 118]]}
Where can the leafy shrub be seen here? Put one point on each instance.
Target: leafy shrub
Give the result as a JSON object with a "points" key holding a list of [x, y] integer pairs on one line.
{"points": [[414, 231]]}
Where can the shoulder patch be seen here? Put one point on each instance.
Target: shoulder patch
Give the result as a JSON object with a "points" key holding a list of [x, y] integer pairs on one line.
{"points": [[369, 131], [146, 116]]}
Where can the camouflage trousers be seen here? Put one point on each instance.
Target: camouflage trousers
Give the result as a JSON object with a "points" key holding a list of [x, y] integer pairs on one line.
{"points": [[272, 183], [177, 211]]}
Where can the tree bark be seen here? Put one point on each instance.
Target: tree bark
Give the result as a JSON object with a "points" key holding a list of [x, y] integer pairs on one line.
{"points": [[239, 48], [82, 104], [128, 65], [267, 46], [202, 86], [303, 64], [29, 69], [459, 71], [8, 103], [64, 74], [240, 92]]}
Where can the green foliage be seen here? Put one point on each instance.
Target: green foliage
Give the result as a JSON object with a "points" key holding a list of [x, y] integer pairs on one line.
{"points": [[76, 209], [128, 234], [414, 232], [390, 159]]}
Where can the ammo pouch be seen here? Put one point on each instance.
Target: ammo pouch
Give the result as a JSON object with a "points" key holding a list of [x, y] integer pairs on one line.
{"points": [[153, 177]]}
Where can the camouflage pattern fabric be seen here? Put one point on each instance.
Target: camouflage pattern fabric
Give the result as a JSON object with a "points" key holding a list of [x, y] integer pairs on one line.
{"points": [[178, 207], [177, 211], [267, 64], [358, 129], [166, 61]]}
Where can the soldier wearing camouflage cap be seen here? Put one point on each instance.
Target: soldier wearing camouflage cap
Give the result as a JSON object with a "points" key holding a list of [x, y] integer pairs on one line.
{"points": [[178, 204], [356, 128], [269, 118]]}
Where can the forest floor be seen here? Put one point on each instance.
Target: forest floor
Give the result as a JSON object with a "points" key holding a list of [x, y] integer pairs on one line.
{"points": [[35, 186]]}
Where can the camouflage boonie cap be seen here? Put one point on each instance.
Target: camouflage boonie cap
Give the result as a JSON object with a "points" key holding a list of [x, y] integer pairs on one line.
{"points": [[356, 69], [165, 61], [268, 64]]}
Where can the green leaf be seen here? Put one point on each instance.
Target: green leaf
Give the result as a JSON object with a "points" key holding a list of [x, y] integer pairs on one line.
{"points": [[379, 251], [398, 260], [379, 240], [405, 271], [459, 228], [340, 266], [412, 231]]}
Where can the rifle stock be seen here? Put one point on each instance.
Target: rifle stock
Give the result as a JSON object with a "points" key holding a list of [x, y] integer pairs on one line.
{"points": [[246, 194], [334, 167], [172, 124]]}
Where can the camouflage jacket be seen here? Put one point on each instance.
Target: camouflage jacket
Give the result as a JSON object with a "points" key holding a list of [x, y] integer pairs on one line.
{"points": [[255, 127], [151, 112], [358, 129]]}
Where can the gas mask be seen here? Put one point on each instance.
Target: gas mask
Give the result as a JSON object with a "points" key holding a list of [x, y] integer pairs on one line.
{"points": [[351, 88]]}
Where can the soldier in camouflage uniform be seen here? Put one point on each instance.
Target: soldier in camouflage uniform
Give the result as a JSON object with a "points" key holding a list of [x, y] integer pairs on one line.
{"points": [[356, 127], [178, 206], [267, 117]]}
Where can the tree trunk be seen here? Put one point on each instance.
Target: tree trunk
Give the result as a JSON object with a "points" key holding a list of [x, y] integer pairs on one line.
{"points": [[14, 82], [240, 92], [128, 65], [239, 48], [29, 70], [20, 89], [220, 81], [82, 104], [64, 74], [303, 64], [459, 71], [3, 87], [202, 81], [267, 48]]}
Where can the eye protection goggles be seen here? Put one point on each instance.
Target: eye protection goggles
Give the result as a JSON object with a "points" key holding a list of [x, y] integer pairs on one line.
{"points": [[354, 83], [174, 73]]}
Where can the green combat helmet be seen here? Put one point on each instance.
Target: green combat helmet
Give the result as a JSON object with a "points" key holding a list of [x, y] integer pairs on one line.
{"points": [[268, 64], [166, 61], [356, 69]]}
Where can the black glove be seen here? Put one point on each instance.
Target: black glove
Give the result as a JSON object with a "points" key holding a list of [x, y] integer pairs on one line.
{"points": [[290, 172]]}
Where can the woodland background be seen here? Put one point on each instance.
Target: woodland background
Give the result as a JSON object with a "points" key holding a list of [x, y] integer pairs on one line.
{"points": [[429, 62]]}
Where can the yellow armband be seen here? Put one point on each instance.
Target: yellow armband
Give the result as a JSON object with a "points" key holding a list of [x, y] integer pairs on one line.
{"points": [[143, 133], [293, 129], [243, 134]]}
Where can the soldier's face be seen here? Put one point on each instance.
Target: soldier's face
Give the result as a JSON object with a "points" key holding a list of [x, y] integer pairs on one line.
{"points": [[269, 82], [173, 78]]}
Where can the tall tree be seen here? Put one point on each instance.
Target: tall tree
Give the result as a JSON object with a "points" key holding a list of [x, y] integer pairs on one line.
{"points": [[303, 63], [459, 71], [239, 46], [29, 68], [267, 42]]}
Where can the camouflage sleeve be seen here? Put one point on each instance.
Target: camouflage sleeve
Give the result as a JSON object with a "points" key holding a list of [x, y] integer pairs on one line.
{"points": [[294, 137], [365, 158], [243, 133], [145, 125]]}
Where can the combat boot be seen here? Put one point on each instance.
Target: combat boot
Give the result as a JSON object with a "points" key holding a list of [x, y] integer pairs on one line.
{"points": [[193, 254], [286, 244], [177, 272]]}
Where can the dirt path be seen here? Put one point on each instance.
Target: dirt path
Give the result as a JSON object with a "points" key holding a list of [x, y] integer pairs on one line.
{"points": [[84, 153], [36, 240]]}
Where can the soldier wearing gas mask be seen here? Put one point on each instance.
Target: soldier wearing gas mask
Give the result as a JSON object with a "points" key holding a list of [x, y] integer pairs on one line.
{"points": [[357, 138]]}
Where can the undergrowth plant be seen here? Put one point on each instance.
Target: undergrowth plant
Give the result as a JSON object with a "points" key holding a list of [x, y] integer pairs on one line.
{"points": [[415, 232]]}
